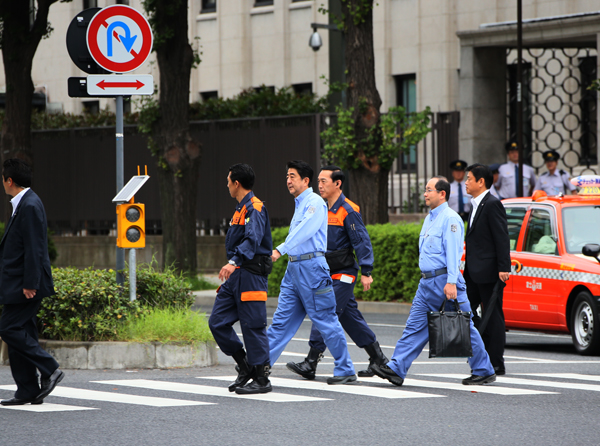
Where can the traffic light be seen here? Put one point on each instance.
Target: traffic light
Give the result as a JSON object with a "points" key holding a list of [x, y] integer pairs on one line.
{"points": [[131, 225]]}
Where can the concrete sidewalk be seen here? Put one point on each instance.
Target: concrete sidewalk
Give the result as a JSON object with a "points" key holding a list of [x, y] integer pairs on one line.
{"points": [[207, 298]]}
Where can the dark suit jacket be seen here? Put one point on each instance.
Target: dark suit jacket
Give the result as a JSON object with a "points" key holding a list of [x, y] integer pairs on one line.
{"points": [[24, 260], [487, 242]]}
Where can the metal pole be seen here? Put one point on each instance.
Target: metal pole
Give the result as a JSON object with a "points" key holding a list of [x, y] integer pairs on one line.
{"points": [[520, 190], [120, 182], [132, 274]]}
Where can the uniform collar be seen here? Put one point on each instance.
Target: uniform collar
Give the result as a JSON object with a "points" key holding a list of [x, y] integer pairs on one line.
{"points": [[300, 198], [434, 212], [245, 200], [338, 203], [555, 174]]}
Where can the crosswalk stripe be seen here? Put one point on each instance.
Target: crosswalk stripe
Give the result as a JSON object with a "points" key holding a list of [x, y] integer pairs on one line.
{"points": [[47, 407], [578, 376], [353, 389], [111, 397], [493, 389], [208, 390], [538, 383]]}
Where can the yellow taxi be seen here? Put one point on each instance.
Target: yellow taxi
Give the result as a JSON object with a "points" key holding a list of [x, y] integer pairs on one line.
{"points": [[555, 282]]}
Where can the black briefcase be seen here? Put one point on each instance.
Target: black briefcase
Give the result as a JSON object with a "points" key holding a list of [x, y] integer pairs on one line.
{"points": [[449, 333]]}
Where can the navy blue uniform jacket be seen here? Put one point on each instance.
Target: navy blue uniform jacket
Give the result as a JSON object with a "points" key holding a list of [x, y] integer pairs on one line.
{"points": [[24, 260]]}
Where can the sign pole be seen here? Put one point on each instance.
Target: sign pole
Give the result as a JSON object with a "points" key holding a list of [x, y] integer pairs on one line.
{"points": [[120, 182], [132, 274], [521, 192]]}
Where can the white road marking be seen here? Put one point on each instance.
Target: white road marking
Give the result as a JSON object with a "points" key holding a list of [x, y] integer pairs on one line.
{"points": [[47, 408], [352, 389], [534, 382], [112, 397], [578, 376], [208, 390], [493, 389]]}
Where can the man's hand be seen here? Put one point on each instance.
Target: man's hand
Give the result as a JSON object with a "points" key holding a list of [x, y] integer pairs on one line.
{"points": [[366, 282], [29, 294], [450, 291], [504, 276], [226, 271], [276, 254]]}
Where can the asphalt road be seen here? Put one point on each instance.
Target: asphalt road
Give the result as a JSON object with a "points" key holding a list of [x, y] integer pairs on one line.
{"points": [[550, 395]]}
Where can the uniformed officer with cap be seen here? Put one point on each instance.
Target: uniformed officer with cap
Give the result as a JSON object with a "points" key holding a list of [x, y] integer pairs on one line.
{"points": [[459, 201], [554, 181], [509, 172], [494, 168]]}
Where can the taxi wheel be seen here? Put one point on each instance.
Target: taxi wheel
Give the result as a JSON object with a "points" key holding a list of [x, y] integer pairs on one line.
{"points": [[585, 325]]}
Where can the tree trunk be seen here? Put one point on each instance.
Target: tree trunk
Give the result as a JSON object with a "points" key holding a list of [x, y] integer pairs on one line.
{"points": [[178, 156], [20, 39], [370, 191], [369, 182]]}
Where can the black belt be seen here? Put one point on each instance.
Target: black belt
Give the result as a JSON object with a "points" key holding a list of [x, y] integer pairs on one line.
{"points": [[306, 256], [437, 272]]}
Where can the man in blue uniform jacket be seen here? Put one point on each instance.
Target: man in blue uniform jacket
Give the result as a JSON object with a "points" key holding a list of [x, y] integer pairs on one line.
{"points": [[25, 279], [346, 234], [243, 296], [440, 250], [307, 287]]}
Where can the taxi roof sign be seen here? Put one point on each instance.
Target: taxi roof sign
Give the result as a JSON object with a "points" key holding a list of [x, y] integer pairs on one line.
{"points": [[589, 183]]}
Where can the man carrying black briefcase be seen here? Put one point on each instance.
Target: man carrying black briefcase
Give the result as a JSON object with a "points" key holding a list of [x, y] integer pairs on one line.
{"points": [[440, 250]]}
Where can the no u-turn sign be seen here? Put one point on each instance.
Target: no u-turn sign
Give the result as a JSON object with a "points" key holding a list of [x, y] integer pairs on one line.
{"points": [[119, 38]]}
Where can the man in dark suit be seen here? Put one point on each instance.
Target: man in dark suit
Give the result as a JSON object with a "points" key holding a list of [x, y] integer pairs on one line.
{"points": [[487, 259], [25, 278]]}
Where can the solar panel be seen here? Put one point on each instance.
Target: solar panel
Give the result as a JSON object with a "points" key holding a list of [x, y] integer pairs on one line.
{"points": [[130, 189]]}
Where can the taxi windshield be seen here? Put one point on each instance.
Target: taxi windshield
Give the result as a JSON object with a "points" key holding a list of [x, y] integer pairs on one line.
{"points": [[581, 226]]}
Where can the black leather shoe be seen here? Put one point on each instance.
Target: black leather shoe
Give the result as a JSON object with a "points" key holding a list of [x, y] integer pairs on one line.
{"points": [[48, 385], [260, 383], [383, 371], [307, 368], [245, 371], [19, 402], [341, 379], [500, 371], [376, 356], [476, 380], [368, 373]]}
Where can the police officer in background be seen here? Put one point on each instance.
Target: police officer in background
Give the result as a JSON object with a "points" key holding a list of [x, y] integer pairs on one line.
{"points": [[554, 181], [243, 296], [509, 172], [459, 201], [346, 233], [494, 169], [440, 249]]}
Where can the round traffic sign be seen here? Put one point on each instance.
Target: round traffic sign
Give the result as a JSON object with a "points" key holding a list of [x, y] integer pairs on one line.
{"points": [[119, 38]]}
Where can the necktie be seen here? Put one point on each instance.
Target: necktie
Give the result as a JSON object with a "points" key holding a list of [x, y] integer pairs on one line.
{"points": [[461, 203], [516, 180]]}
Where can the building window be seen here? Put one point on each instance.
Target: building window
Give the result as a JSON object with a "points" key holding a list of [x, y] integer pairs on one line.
{"points": [[263, 3], [90, 4], [127, 104], [263, 88], [406, 96], [122, 2], [206, 95], [303, 89], [91, 107], [208, 6]]}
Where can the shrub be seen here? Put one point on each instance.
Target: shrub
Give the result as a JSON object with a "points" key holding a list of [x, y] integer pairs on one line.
{"points": [[396, 274], [166, 325], [89, 306]]}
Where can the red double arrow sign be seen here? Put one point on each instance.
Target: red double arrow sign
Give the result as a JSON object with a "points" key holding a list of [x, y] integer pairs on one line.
{"points": [[104, 85]]}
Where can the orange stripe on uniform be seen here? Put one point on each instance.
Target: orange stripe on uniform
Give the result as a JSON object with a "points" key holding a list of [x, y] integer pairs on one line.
{"points": [[339, 277], [353, 205], [337, 219], [252, 296], [258, 205]]}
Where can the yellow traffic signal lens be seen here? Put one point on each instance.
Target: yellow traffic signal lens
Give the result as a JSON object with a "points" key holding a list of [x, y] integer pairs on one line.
{"points": [[133, 214], [133, 235]]}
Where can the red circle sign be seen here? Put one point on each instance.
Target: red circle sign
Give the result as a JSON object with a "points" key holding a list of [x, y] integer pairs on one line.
{"points": [[119, 38]]}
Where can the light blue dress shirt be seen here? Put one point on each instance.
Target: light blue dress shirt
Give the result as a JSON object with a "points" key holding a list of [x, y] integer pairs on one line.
{"points": [[441, 242], [308, 229]]}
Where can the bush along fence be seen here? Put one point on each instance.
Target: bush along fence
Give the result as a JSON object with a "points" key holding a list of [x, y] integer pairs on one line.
{"points": [[396, 274]]}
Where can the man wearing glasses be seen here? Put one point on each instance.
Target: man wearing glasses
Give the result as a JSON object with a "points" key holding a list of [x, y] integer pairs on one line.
{"points": [[440, 250]]}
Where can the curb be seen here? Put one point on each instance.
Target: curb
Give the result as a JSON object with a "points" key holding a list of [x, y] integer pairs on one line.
{"points": [[206, 298], [130, 355]]}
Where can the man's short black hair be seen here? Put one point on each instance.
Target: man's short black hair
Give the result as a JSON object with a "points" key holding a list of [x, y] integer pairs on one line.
{"points": [[480, 171], [336, 173], [242, 173], [442, 185], [303, 169], [18, 170]]}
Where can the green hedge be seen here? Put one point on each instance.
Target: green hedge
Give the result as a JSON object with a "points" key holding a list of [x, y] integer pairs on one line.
{"points": [[396, 273], [89, 306]]}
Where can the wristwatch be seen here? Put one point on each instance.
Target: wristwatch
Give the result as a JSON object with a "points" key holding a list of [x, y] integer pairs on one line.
{"points": [[231, 262], [367, 274]]}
